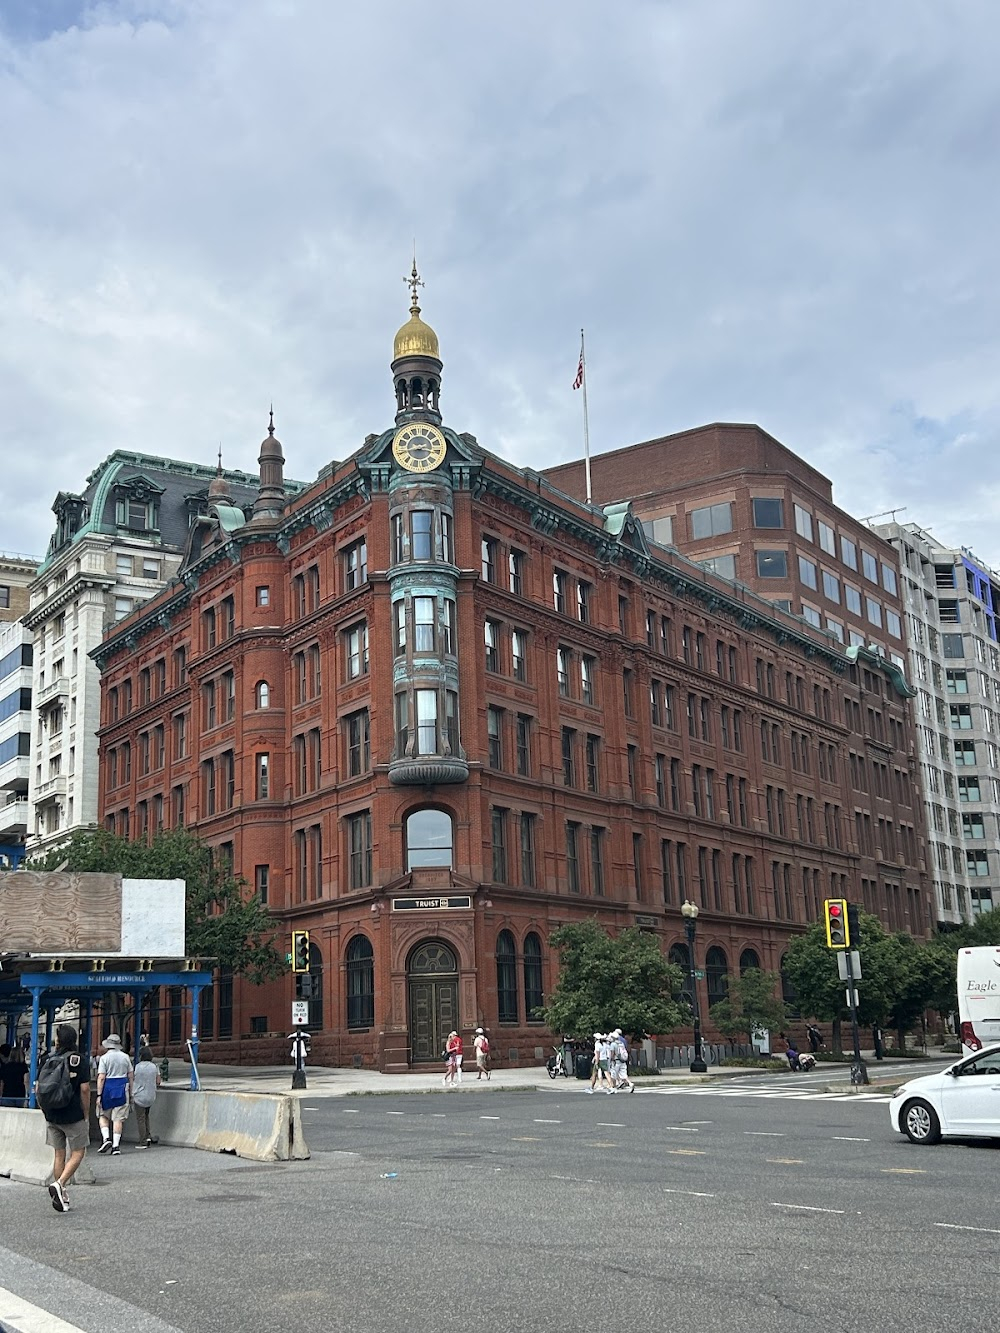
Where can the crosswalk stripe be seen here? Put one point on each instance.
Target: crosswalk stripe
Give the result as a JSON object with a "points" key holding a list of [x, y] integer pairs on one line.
{"points": [[762, 1094], [23, 1317]]}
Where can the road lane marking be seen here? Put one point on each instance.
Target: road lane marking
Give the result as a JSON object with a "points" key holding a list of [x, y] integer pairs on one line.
{"points": [[350, 1112], [903, 1171], [548, 1122], [764, 1134], [439, 1115], [310, 1108], [700, 1122], [525, 1140], [602, 1145], [681, 1129], [395, 1113], [686, 1152], [32, 1318], [807, 1208], [695, 1194], [844, 1138], [786, 1161], [954, 1226], [489, 1117], [609, 1124]]}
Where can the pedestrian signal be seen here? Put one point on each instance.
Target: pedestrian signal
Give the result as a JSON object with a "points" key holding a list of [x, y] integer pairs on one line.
{"points": [[837, 933], [300, 951]]}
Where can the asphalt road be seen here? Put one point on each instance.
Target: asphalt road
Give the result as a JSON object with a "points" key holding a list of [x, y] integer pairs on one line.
{"points": [[757, 1206]]}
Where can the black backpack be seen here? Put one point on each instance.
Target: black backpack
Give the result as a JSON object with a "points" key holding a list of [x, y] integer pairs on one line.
{"points": [[54, 1090]]}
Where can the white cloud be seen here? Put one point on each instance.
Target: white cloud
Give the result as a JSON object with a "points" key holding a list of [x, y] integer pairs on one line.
{"points": [[761, 211]]}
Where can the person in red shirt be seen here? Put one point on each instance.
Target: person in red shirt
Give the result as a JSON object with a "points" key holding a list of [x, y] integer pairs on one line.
{"points": [[454, 1050]]}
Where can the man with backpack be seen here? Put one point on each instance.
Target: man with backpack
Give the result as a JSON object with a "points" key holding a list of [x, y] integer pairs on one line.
{"points": [[62, 1091], [114, 1093]]}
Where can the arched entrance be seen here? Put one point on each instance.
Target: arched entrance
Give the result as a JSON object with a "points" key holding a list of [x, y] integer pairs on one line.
{"points": [[432, 982]]}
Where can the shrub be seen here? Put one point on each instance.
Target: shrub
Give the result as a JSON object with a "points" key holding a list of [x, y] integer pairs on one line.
{"points": [[754, 1062]]}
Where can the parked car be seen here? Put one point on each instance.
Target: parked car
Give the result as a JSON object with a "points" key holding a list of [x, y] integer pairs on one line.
{"points": [[963, 1101]]}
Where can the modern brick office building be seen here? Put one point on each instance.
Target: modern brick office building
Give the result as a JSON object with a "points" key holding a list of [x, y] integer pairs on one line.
{"points": [[433, 707]]}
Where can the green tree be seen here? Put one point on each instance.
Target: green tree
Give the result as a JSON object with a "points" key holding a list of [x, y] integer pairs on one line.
{"points": [[751, 1006], [812, 969], [223, 921], [612, 980]]}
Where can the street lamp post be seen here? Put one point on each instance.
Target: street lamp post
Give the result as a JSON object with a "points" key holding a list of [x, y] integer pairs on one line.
{"points": [[689, 911]]}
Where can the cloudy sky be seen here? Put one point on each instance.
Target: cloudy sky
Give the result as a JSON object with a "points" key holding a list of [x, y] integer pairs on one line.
{"points": [[761, 211]]}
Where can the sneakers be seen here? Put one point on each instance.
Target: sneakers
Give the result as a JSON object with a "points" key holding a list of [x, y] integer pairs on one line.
{"points": [[590, 1091], [141, 1147], [116, 1152], [105, 1146], [58, 1196]]}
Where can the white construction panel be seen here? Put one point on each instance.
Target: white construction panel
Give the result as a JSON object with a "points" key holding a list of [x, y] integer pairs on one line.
{"points": [[153, 918]]}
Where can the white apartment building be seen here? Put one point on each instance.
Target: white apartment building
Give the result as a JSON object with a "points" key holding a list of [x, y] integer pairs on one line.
{"points": [[115, 545], [15, 740], [952, 617]]}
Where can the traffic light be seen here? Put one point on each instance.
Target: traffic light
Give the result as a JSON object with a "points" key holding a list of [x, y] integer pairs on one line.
{"points": [[853, 925], [300, 951], [837, 932]]}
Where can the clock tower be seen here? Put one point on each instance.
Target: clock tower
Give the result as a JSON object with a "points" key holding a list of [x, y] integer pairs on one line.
{"points": [[423, 573]]}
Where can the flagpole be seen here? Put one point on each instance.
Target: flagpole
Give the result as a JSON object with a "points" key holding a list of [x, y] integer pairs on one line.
{"points": [[586, 419]]}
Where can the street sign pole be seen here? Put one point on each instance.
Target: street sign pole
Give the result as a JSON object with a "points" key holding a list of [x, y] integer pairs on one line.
{"points": [[859, 1071]]}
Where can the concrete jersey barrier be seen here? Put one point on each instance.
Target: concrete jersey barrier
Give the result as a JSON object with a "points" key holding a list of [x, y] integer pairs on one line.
{"points": [[24, 1154], [260, 1126], [265, 1127]]}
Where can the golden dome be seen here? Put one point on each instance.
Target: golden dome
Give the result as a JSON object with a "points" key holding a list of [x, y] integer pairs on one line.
{"points": [[415, 338]]}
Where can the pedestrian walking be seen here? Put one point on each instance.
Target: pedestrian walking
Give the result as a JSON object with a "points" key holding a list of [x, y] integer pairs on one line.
{"points": [[482, 1047], [619, 1068], [114, 1093], [815, 1037], [601, 1070], [455, 1046], [13, 1076], [63, 1094], [145, 1080]]}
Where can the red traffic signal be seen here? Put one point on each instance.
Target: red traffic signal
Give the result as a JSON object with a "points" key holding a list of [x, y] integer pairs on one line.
{"points": [[837, 933]]}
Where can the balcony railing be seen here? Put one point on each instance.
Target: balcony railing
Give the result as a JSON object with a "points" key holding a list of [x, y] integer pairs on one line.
{"points": [[14, 817], [54, 690], [48, 791]]}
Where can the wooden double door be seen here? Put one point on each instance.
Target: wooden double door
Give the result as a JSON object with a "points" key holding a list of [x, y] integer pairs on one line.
{"points": [[432, 979]]}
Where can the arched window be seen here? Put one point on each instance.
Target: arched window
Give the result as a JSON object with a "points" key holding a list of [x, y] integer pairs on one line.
{"points": [[428, 839], [360, 983], [680, 957], [533, 998], [309, 986], [263, 694], [716, 974], [788, 992], [749, 960], [506, 978]]}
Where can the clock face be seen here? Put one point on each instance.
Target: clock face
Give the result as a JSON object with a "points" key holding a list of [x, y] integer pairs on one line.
{"points": [[419, 448]]}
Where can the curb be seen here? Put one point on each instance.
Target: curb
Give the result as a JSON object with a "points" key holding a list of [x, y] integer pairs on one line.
{"points": [[416, 1092]]}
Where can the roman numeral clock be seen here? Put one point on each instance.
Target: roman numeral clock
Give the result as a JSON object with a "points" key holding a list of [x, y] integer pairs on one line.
{"points": [[419, 447]]}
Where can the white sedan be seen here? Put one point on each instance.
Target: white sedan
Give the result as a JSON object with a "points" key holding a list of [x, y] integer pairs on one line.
{"points": [[962, 1101]]}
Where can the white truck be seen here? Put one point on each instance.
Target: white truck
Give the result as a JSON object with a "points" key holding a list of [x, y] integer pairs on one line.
{"points": [[978, 998]]}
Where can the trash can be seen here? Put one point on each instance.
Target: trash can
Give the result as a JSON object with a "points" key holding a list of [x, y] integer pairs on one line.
{"points": [[583, 1064]]}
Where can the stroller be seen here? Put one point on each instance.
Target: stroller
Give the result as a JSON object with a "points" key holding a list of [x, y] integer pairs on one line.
{"points": [[807, 1061]]}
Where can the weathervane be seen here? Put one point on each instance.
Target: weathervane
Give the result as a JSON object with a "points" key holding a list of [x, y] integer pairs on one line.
{"points": [[414, 280]]}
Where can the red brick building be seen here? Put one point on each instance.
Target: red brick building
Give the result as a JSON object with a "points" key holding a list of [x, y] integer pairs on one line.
{"points": [[432, 707]]}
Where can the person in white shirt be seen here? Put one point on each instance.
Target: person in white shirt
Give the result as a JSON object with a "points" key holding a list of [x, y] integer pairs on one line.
{"points": [[482, 1047], [114, 1092], [619, 1062]]}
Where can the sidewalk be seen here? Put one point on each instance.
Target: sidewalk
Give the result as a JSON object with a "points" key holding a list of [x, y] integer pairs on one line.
{"points": [[323, 1082]]}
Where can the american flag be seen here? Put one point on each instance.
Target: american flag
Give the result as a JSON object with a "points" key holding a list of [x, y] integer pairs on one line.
{"points": [[579, 372]]}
